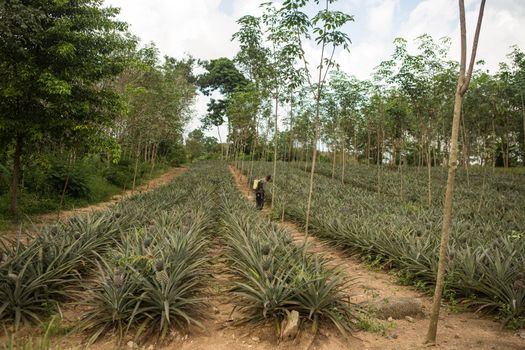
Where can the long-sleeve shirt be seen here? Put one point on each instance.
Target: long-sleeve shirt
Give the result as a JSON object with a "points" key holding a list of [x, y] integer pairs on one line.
{"points": [[260, 185]]}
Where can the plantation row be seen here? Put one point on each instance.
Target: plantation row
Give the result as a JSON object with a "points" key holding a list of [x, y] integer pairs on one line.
{"points": [[273, 276], [143, 267], [498, 198], [487, 250], [481, 191], [127, 249]]}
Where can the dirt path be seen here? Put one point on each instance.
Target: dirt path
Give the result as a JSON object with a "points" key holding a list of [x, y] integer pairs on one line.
{"points": [[44, 219], [220, 332], [465, 330], [149, 186]]}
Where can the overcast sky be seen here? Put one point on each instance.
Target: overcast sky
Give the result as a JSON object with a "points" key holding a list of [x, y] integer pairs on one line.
{"points": [[203, 28]]}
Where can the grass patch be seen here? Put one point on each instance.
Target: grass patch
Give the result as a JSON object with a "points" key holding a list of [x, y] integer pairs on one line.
{"points": [[32, 203], [369, 324]]}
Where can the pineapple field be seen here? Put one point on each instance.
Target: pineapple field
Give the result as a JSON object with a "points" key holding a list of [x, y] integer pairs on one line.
{"points": [[142, 269], [486, 267], [276, 174], [194, 257]]}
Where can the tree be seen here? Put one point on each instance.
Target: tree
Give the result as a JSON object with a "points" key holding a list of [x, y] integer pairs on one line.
{"points": [[195, 144], [282, 74], [158, 98], [325, 26], [253, 60], [223, 76], [462, 87], [55, 57], [518, 87]]}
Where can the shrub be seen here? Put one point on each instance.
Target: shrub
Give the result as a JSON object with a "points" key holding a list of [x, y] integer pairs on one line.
{"points": [[76, 178]]}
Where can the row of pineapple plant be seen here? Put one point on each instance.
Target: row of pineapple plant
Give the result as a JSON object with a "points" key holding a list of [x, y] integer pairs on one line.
{"points": [[411, 183], [480, 187], [272, 276], [61, 263], [155, 278], [487, 254], [37, 276]]}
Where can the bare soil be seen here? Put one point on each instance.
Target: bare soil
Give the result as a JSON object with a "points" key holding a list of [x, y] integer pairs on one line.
{"points": [[457, 329]]}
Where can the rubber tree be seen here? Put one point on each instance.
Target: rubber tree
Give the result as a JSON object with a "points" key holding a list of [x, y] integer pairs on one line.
{"points": [[414, 75], [282, 73], [518, 60], [349, 93], [462, 87], [325, 29], [253, 59]]}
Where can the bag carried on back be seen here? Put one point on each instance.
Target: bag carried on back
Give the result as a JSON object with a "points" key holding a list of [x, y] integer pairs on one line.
{"points": [[255, 184]]}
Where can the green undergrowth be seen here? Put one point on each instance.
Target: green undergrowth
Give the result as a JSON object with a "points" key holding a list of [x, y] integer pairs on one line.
{"points": [[92, 186]]}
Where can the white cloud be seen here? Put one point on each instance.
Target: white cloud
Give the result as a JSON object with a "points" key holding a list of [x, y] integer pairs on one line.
{"points": [[501, 27], [180, 27], [381, 17], [196, 27], [200, 28]]}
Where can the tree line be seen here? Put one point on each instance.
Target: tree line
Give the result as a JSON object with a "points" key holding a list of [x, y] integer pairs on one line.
{"points": [[402, 115], [76, 84]]}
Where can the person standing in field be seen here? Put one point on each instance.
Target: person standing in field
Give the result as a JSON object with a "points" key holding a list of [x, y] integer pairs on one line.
{"points": [[260, 192]]}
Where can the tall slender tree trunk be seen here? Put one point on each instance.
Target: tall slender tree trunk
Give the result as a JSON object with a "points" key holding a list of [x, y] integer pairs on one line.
{"points": [[368, 145], [334, 154], [462, 86], [356, 156], [290, 132], [429, 174], [378, 162], [494, 155], [504, 151], [401, 190], [153, 158], [275, 139], [316, 137], [523, 111], [254, 147], [343, 160], [17, 158], [466, 148], [135, 171], [220, 141], [70, 163], [228, 142]]}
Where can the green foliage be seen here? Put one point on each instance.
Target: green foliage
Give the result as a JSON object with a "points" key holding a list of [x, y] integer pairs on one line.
{"points": [[155, 277], [148, 254], [121, 174], [71, 179], [173, 153], [199, 146], [221, 75], [275, 276], [158, 99], [36, 277], [56, 57], [486, 253]]}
